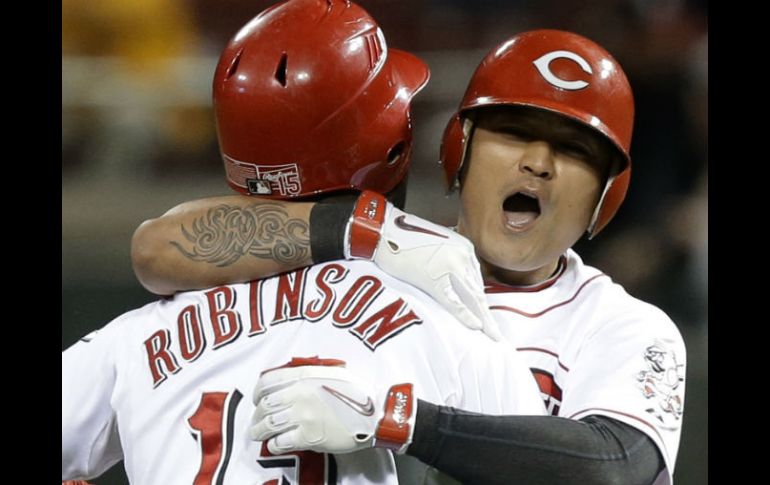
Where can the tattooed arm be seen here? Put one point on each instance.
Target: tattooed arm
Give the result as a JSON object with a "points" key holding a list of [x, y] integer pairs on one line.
{"points": [[220, 240], [223, 240]]}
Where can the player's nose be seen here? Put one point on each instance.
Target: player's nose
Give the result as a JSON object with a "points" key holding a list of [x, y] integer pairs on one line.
{"points": [[538, 160]]}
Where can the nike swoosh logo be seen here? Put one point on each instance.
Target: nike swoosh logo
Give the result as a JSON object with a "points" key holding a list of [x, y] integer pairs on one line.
{"points": [[364, 408], [400, 222]]}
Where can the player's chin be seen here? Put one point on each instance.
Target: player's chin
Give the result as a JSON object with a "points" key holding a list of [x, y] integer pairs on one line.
{"points": [[502, 252], [520, 251]]}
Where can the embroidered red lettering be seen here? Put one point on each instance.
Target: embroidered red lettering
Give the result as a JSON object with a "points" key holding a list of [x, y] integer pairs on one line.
{"points": [[549, 390], [191, 339], [288, 297], [319, 307], [255, 308], [355, 302], [158, 352], [386, 323], [225, 322]]}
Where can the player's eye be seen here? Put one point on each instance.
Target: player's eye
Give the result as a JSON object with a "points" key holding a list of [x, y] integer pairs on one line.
{"points": [[515, 133], [575, 149]]}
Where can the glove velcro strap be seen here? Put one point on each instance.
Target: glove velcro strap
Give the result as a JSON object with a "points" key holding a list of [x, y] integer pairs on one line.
{"points": [[305, 361], [394, 431], [366, 224]]}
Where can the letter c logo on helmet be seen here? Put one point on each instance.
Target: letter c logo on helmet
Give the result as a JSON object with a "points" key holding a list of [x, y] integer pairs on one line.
{"points": [[543, 65]]}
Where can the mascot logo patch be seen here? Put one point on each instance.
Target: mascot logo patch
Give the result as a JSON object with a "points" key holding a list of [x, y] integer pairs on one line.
{"points": [[663, 383]]}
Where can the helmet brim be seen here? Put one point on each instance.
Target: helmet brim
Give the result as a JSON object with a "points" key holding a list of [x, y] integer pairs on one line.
{"points": [[412, 71], [561, 109]]}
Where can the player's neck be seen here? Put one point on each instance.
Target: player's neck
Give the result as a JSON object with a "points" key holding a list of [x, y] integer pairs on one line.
{"points": [[495, 274]]}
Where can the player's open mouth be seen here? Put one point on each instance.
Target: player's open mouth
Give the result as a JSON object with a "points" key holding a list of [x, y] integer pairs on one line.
{"points": [[520, 210]]}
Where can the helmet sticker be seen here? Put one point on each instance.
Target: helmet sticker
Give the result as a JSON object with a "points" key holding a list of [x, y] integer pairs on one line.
{"points": [[280, 180], [543, 64]]}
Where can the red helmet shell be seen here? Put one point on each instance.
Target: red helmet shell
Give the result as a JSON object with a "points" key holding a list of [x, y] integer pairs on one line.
{"points": [[309, 99], [560, 72]]}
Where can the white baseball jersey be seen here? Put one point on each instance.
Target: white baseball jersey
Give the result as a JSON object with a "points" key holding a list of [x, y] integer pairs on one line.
{"points": [[594, 349], [167, 387]]}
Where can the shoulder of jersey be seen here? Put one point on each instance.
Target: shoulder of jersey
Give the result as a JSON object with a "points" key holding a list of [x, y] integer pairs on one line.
{"points": [[616, 304]]}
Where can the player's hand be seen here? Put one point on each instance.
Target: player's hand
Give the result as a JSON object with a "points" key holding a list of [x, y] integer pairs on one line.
{"points": [[327, 409], [433, 258]]}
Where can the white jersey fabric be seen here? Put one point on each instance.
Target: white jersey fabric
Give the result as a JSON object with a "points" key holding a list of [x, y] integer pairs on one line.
{"points": [[594, 349], [167, 387]]}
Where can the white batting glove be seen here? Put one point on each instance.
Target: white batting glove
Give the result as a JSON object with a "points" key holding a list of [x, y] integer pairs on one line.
{"points": [[430, 257], [319, 405]]}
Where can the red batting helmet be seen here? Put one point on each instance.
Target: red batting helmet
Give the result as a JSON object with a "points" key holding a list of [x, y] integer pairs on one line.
{"points": [[309, 99], [560, 72]]}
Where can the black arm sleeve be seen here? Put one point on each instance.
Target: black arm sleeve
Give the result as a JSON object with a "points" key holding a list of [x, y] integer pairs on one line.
{"points": [[476, 448]]}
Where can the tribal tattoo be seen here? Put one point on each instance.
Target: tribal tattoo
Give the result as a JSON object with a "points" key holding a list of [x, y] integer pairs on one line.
{"points": [[265, 230]]}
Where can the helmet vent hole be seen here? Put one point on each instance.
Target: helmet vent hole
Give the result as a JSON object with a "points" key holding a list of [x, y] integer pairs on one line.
{"points": [[234, 66], [374, 48], [280, 71], [396, 152]]}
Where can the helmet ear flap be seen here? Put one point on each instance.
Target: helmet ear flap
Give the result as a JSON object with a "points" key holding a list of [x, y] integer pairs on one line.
{"points": [[453, 147], [614, 192]]}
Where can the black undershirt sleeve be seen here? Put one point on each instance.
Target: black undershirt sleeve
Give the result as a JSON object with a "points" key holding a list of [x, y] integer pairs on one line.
{"points": [[533, 450]]}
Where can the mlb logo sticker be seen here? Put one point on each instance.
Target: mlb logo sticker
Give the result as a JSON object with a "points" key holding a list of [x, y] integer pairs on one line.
{"points": [[280, 180], [258, 187]]}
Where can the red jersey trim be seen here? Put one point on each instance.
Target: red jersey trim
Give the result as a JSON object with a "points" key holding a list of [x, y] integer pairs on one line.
{"points": [[549, 352], [553, 307]]}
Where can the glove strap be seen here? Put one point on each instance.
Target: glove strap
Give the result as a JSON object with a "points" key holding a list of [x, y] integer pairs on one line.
{"points": [[395, 429], [304, 361], [365, 225]]}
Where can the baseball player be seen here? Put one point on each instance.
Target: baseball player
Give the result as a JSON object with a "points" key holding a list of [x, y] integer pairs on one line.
{"points": [[539, 150], [167, 387]]}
